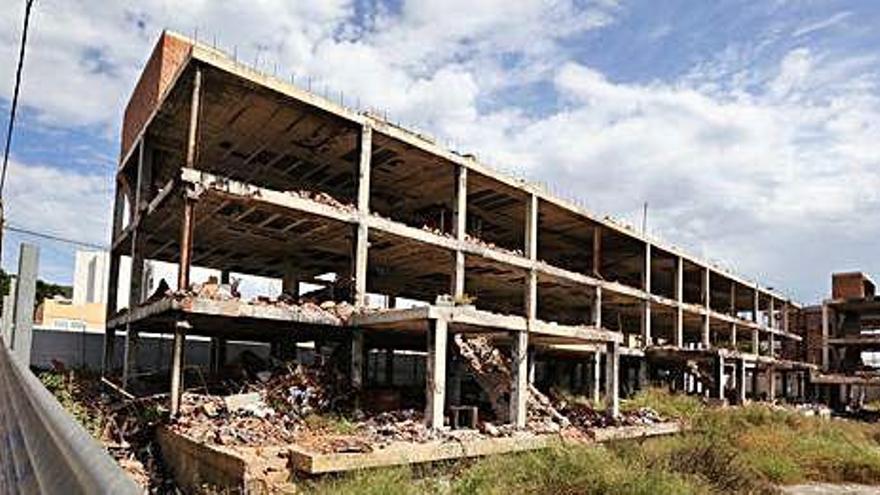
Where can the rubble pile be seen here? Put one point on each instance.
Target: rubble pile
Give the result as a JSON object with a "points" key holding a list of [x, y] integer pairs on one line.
{"points": [[476, 240], [328, 312], [323, 198]]}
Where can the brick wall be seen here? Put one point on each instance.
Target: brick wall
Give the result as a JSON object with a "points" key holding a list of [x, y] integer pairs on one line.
{"points": [[808, 324], [169, 54], [850, 286]]}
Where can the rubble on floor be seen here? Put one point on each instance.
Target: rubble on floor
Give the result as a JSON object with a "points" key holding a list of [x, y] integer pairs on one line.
{"points": [[329, 312], [323, 198], [491, 245]]}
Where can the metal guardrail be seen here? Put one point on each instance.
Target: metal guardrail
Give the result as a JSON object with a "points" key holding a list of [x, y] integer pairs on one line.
{"points": [[43, 449]]}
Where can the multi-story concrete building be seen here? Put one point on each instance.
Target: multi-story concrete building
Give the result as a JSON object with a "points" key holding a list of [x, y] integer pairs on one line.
{"points": [[225, 167]]}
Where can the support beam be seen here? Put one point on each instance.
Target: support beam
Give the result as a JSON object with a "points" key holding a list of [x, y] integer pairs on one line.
{"points": [[826, 324], [740, 381], [597, 307], [612, 379], [707, 301], [771, 316], [177, 363], [718, 376], [25, 297], [290, 281], [112, 298], [519, 391], [357, 360], [186, 241], [360, 256], [595, 376], [435, 376], [597, 251], [361, 242], [679, 298], [756, 342], [771, 383], [459, 229], [647, 339], [531, 250]]}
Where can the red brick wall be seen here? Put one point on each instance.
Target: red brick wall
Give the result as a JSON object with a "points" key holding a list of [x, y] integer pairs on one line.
{"points": [[168, 55], [848, 286], [808, 324]]}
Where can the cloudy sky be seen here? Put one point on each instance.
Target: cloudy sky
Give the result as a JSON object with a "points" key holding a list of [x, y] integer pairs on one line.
{"points": [[750, 128]]}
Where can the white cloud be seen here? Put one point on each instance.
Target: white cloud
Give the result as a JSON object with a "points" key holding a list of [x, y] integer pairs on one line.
{"points": [[771, 165]]}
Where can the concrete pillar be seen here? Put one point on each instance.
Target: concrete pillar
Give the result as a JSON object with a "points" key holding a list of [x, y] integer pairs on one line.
{"points": [[361, 244], [531, 251], [519, 392], [597, 251], [25, 296], [756, 385], [771, 318], [595, 376], [357, 359], [719, 378], [771, 341], [135, 297], [112, 293], [740, 381], [642, 374], [679, 298], [9, 314], [460, 229], [785, 386], [646, 305], [612, 379], [435, 374], [826, 325], [756, 342], [177, 364], [291, 279], [707, 299], [531, 365], [597, 307], [771, 383]]}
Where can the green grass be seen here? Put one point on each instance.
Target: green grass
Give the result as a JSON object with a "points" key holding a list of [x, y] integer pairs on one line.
{"points": [[672, 406]]}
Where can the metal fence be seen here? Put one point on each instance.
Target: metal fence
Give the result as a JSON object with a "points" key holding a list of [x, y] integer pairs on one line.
{"points": [[43, 449]]}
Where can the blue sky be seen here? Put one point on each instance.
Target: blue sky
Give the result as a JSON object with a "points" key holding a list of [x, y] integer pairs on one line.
{"points": [[749, 127]]}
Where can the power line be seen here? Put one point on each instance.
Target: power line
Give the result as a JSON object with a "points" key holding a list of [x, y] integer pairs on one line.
{"points": [[53, 237], [27, 16]]}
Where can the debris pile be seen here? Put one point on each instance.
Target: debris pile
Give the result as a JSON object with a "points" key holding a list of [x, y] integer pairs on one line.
{"points": [[491, 245], [323, 198]]}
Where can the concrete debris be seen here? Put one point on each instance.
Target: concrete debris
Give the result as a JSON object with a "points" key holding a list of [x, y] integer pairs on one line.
{"points": [[476, 240], [323, 198]]}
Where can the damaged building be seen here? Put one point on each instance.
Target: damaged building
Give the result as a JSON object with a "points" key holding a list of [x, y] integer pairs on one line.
{"points": [[498, 291]]}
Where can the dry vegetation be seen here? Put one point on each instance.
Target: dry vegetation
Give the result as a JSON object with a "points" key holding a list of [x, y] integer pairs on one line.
{"points": [[743, 450]]}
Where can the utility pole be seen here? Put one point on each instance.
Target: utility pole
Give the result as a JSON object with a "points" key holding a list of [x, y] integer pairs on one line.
{"points": [[27, 15]]}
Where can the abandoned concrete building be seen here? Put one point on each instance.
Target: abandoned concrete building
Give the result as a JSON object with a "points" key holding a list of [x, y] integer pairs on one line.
{"points": [[227, 168]]}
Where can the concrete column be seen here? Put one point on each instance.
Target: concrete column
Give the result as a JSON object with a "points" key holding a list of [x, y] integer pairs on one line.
{"points": [[646, 305], [597, 308], [771, 318], [786, 318], [112, 293], [531, 295], [9, 314], [785, 386], [595, 376], [756, 304], [612, 379], [771, 383], [435, 376], [707, 299], [733, 336], [531, 365], [756, 382], [825, 335], [459, 229], [360, 255], [291, 279], [361, 245], [642, 375], [740, 381], [186, 242], [719, 377], [135, 297], [756, 341], [519, 392], [679, 298], [357, 359], [25, 296], [177, 364], [597, 251], [771, 340]]}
